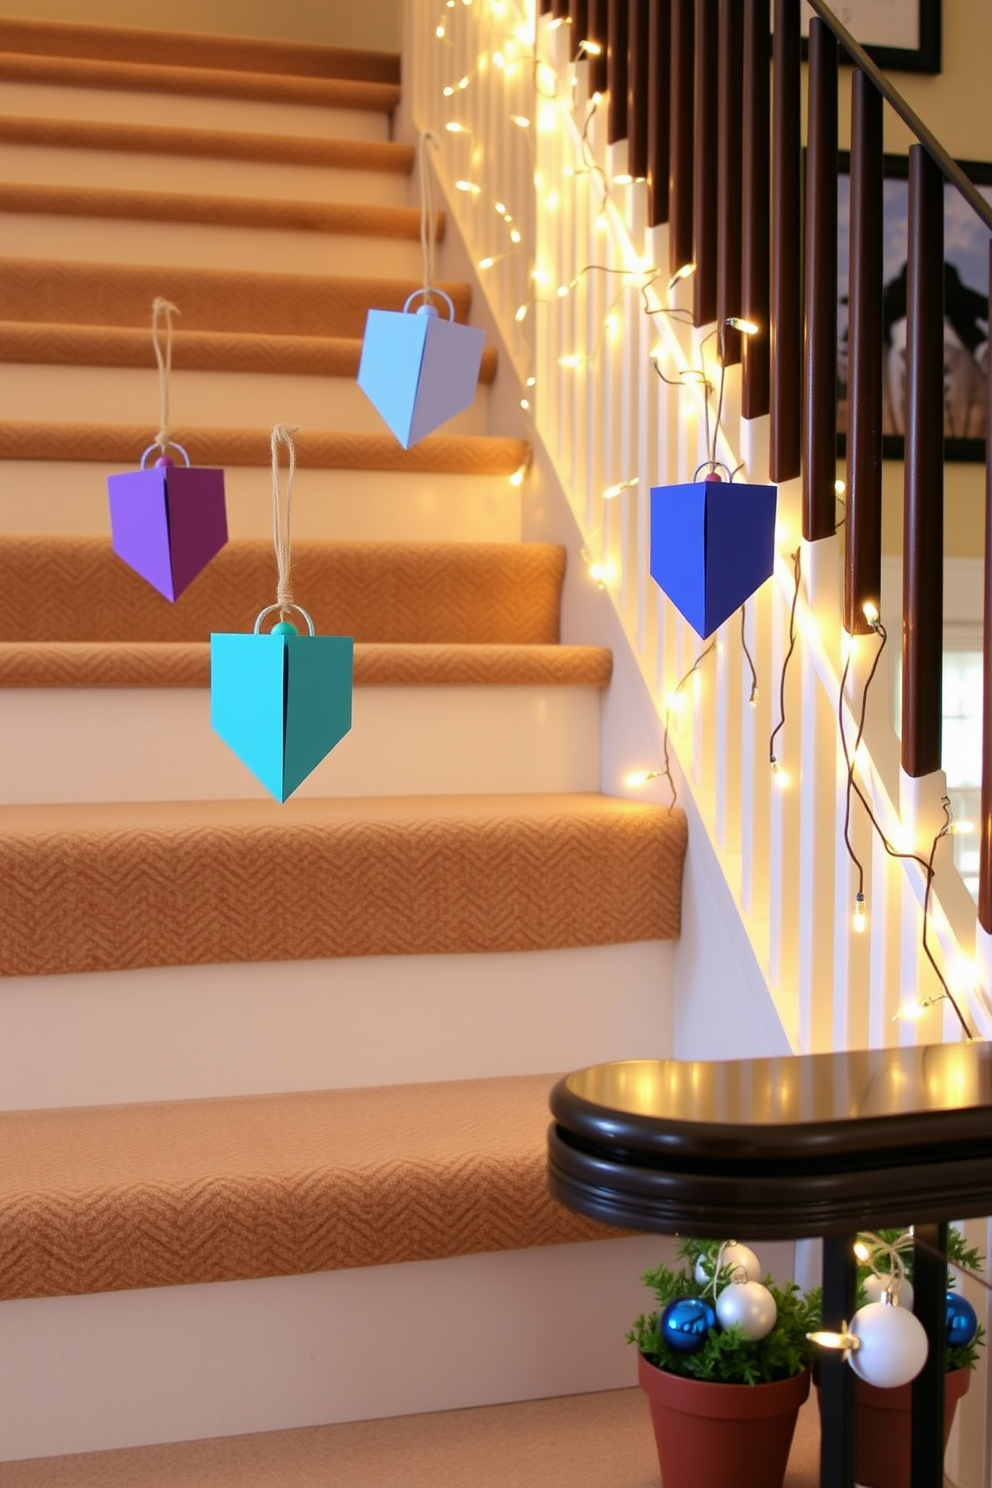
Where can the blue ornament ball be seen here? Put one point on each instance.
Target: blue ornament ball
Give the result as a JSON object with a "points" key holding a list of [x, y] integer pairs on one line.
{"points": [[962, 1321], [685, 1323]]}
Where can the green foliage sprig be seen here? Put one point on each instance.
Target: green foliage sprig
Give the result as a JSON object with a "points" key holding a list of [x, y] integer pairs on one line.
{"points": [[727, 1357]]}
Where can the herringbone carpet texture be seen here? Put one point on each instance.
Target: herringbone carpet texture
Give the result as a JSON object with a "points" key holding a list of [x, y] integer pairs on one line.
{"points": [[106, 887], [76, 589], [234, 300], [202, 351], [161, 664], [111, 1198]]}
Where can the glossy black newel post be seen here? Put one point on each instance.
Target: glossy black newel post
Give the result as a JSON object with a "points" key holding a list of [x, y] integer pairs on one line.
{"points": [[836, 1377], [930, 1306], [820, 371], [863, 525], [923, 519]]}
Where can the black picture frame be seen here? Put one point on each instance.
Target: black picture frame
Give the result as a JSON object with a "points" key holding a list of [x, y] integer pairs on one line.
{"points": [[966, 254], [924, 57]]}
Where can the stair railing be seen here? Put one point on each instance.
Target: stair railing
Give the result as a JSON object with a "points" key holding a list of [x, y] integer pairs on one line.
{"points": [[631, 176]]}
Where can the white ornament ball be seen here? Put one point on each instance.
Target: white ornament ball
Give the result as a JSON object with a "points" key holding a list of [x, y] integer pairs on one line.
{"points": [[750, 1305], [875, 1291], [741, 1258], [892, 1345]]}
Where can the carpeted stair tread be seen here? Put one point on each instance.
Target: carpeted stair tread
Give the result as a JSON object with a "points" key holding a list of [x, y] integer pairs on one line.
{"points": [[201, 82], [122, 445], [201, 351], [234, 300], [54, 664], [385, 156], [212, 144], [77, 589], [361, 219], [600, 1440], [113, 1198], [136, 44], [112, 886]]}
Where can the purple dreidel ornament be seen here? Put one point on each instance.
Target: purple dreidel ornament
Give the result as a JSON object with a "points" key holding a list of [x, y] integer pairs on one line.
{"points": [[167, 521]]}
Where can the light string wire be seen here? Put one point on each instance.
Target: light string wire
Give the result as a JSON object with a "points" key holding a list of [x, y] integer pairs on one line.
{"points": [[163, 309], [282, 434], [938, 1254], [927, 863], [666, 769], [797, 576]]}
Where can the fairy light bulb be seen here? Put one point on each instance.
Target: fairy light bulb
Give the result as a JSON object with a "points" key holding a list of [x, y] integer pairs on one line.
{"points": [[682, 273], [739, 323], [638, 778], [485, 263], [779, 775], [468, 186], [521, 313], [591, 49], [455, 128], [517, 478], [753, 697], [870, 611], [860, 915]]}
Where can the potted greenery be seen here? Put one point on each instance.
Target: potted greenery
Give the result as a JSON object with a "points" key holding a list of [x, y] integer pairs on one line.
{"points": [[724, 1361], [883, 1431]]}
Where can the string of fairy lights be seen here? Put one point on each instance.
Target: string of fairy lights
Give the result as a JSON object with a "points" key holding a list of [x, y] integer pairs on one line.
{"points": [[513, 43]]}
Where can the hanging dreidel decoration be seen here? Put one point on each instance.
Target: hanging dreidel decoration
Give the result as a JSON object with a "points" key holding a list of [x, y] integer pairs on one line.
{"points": [[417, 367], [281, 701], [712, 544], [167, 521]]}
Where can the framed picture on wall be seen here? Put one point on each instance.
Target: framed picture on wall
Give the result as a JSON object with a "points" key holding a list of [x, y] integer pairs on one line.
{"points": [[900, 35], [966, 311]]}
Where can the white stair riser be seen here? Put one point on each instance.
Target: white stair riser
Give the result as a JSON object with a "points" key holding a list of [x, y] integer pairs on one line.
{"points": [[42, 165], [189, 245], [177, 1363], [240, 400], [70, 497], [40, 101], [188, 1033], [157, 744]]}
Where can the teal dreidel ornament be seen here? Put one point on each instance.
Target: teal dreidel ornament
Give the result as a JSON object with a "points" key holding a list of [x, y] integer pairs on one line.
{"points": [[167, 521], [281, 701], [712, 544], [417, 368]]}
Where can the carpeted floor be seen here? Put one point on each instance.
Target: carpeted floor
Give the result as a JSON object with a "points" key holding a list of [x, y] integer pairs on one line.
{"points": [[582, 1441]]}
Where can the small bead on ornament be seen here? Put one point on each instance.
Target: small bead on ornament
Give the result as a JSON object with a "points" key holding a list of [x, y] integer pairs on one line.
{"points": [[891, 1346], [750, 1306], [962, 1321], [876, 1286], [685, 1323], [731, 1258]]}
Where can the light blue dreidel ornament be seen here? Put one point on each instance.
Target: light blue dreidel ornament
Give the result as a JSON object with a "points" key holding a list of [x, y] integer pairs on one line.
{"points": [[712, 545], [419, 368], [167, 521], [281, 700]]}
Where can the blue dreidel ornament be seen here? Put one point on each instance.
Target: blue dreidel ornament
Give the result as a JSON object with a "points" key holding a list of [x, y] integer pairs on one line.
{"points": [[281, 701], [712, 545]]}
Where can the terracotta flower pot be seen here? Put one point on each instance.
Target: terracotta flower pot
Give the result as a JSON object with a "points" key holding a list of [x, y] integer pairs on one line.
{"points": [[882, 1446], [721, 1436]]}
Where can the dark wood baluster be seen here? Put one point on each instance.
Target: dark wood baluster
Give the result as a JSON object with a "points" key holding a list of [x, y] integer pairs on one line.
{"points": [[637, 89], [545, 7], [985, 847], [730, 81], [681, 148], [756, 186], [704, 175], [923, 516], [578, 13], [559, 9], [617, 22], [786, 319], [659, 108], [820, 380], [863, 511], [596, 30]]}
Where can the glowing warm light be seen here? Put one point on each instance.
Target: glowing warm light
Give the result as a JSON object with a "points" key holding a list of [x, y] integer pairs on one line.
{"points": [[641, 777], [834, 1340], [530, 382], [547, 118], [612, 323], [675, 702], [517, 478], [559, 21], [623, 180], [514, 235], [870, 611], [911, 1012], [570, 361], [860, 917], [454, 128], [485, 263], [591, 48], [525, 404], [596, 100], [613, 491], [562, 291], [500, 208], [541, 277], [753, 698], [839, 487], [601, 223], [439, 32], [682, 273], [961, 828], [553, 201], [521, 313], [468, 186], [463, 82], [521, 121], [693, 374], [780, 776], [862, 1251], [746, 327]]}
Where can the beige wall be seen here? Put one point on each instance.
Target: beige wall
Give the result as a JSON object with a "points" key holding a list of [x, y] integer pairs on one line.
{"points": [[353, 23]]}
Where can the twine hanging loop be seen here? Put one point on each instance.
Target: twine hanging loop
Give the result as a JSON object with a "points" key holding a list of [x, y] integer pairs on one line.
{"points": [[428, 212], [163, 309], [282, 514]]}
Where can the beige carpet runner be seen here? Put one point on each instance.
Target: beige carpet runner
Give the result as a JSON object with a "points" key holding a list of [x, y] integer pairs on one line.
{"points": [[111, 1198], [107, 886], [77, 589]]}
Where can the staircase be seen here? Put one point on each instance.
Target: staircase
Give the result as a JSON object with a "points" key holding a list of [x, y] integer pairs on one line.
{"points": [[273, 1079]]}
